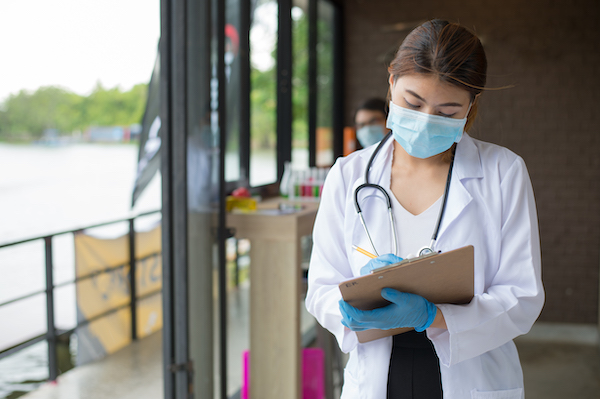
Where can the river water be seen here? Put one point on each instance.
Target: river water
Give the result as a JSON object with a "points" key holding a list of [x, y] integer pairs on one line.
{"points": [[45, 190]]}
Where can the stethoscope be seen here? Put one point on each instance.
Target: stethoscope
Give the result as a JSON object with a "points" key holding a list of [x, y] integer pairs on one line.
{"points": [[422, 251]]}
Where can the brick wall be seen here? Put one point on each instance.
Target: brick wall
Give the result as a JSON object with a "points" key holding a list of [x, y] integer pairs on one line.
{"points": [[550, 51]]}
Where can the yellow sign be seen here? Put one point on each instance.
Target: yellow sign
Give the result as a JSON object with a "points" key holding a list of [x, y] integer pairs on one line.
{"points": [[102, 290]]}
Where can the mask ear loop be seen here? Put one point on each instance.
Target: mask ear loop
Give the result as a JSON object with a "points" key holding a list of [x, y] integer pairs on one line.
{"points": [[466, 119], [469, 109]]}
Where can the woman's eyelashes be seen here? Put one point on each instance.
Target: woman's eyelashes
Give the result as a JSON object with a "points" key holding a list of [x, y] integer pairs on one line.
{"points": [[410, 105], [446, 115], [417, 106]]}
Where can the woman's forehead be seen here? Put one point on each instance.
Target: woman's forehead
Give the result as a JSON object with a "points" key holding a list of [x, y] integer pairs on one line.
{"points": [[431, 88]]}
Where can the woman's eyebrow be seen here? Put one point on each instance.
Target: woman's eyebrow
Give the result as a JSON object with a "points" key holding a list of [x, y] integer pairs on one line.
{"points": [[450, 104], [416, 95]]}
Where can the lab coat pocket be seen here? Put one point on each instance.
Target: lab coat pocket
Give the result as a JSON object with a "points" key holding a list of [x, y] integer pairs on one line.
{"points": [[350, 389], [505, 394]]}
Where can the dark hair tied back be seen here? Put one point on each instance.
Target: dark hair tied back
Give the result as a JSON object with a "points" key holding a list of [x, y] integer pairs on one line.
{"points": [[447, 50]]}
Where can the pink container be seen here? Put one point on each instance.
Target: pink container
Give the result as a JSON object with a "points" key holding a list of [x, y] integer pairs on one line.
{"points": [[313, 374]]}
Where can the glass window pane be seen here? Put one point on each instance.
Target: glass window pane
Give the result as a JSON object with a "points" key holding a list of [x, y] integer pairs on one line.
{"points": [[232, 93], [263, 95], [325, 23], [300, 85]]}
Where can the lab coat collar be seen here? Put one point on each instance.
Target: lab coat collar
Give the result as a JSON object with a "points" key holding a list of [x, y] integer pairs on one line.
{"points": [[467, 162], [467, 165]]}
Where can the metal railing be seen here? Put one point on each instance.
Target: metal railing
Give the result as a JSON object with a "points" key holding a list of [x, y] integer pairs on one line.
{"points": [[52, 334]]}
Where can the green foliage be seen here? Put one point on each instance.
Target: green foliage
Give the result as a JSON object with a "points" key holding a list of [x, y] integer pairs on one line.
{"points": [[27, 115], [300, 82], [263, 97], [263, 100], [324, 73]]}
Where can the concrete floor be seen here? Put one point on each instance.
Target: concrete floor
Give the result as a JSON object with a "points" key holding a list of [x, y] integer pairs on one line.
{"points": [[134, 372], [559, 362], [560, 371]]}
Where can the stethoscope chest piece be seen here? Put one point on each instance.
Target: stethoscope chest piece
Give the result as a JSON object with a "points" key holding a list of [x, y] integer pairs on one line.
{"points": [[425, 251]]}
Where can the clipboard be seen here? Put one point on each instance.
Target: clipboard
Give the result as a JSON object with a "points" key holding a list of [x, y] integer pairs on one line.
{"points": [[440, 278]]}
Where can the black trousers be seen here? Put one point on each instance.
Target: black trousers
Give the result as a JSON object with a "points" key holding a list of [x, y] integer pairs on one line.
{"points": [[414, 368]]}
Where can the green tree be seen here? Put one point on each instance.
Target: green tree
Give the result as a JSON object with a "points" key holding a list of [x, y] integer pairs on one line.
{"points": [[107, 107], [263, 100], [300, 81], [26, 115], [263, 96], [324, 72]]}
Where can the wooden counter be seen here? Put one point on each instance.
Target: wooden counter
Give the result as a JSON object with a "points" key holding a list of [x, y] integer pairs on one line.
{"points": [[275, 295]]}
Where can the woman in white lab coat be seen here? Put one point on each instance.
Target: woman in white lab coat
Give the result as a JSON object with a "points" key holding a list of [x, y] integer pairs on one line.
{"points": [[456, 351]]}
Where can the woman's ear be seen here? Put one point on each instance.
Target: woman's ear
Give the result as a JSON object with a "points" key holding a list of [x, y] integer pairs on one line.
{"points": [[390, 88]]}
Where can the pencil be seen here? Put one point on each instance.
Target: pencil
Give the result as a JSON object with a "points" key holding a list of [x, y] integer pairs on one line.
{"points": [[364, 252]]}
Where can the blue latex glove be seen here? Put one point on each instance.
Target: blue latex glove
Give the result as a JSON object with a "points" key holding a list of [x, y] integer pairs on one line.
{"points": [[405, 310], [378, 262]]}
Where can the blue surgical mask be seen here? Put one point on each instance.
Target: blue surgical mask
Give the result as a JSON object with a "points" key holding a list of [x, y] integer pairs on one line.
{"points": [[370, 134], [423, 135]]}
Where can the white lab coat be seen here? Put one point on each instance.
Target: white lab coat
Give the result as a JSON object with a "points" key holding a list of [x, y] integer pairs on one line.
{"points": [[490, 206]]}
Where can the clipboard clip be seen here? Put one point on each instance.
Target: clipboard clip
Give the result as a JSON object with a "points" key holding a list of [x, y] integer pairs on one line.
{"points": [[404, 262]]}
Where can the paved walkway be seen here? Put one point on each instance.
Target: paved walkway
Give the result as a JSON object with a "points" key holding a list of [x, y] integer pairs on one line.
{"points": [[561, 362], [558, 362], [134, 372]]}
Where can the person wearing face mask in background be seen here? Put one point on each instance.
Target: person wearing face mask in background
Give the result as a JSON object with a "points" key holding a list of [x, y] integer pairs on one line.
{"points": [[428, 163], [369, 119]]}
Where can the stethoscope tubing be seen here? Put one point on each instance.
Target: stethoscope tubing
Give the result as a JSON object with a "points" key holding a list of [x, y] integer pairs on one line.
{"points": [[445, 200], [381, 143], [390, 213], [366, 184]]}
